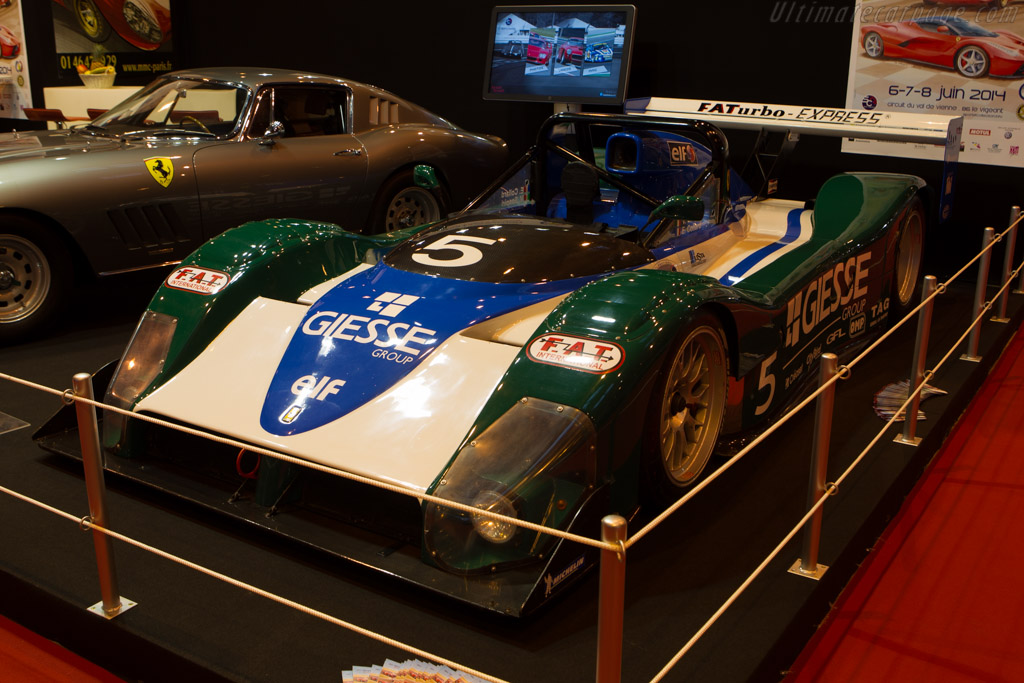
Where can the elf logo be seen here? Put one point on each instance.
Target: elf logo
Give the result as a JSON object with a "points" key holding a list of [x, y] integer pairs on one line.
{"points": [[576, 353], [308, 386], [681, 153]]}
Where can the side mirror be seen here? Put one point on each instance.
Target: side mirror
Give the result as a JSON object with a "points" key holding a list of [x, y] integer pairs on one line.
{"points": [[679, 207], [274, 131], [425, 176]]}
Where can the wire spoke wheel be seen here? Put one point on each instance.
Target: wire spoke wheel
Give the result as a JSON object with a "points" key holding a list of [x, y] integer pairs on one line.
{"points": [[411, 206], [25, 278]]}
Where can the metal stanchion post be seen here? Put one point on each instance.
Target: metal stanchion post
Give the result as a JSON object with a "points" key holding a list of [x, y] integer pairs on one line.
{"points": [[924, 326], [611, 603], [979, 297], [1020, 282], [808, 565], [1013, 239], [1011, 243], [112, 603]]}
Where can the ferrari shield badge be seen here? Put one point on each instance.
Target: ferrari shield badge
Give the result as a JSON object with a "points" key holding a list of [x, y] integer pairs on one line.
{"points": [[162, 169]]}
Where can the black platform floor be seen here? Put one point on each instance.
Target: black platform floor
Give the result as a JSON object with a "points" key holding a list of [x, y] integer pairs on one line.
{"points": [[189, 625]]}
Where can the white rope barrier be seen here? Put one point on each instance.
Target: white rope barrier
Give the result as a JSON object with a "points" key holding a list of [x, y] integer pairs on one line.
{"points": [[68, 396], [844, 371], [86, 524], [832, 487], [830, 490]]}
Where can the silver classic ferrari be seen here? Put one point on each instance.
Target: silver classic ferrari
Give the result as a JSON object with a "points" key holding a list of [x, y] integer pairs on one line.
{"points": [[197, 152]]}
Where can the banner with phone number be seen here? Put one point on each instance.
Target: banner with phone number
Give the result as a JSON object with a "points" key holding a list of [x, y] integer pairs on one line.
{"points": [[130, 38], [15, 93], [962, 57]]}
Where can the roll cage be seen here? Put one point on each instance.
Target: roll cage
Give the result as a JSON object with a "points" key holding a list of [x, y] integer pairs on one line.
{"points": [[578, 138]]}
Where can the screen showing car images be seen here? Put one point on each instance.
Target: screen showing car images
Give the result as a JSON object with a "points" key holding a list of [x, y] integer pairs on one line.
{"points": [[575, 54]]}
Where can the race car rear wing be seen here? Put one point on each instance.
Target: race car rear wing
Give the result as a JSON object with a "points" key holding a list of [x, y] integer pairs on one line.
{"points": [[792, 121]]}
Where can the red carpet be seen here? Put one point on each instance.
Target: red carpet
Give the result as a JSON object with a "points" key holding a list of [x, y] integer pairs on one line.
{"points": [[942, 597], [27, 658]]}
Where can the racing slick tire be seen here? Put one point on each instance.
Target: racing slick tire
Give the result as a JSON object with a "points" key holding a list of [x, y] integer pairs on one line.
{"points": [[92, 22], [401, 203], [972, 62], [873, 45], [36, 274], [687, 409], [906, 271]]}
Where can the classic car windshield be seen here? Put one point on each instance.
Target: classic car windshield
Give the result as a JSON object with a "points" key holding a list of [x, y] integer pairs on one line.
{"points": [[193, 106]]}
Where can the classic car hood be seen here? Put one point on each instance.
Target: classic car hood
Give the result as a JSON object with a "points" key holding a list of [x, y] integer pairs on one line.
{"points": [[370, 332], [64, 143], [51, 143]]}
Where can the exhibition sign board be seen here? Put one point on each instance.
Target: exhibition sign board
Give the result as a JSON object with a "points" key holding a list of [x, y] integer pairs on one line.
{"points": [[15, 92], [957, 59], [133, 37], [940, 135]]}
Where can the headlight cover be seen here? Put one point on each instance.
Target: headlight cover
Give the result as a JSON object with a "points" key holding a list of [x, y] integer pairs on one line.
{"points": [[142, 361], [1012, 52], [535, 463], [142, 21]]}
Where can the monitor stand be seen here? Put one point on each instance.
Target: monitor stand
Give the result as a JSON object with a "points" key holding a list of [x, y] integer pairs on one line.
{"points": [[567, 107]]}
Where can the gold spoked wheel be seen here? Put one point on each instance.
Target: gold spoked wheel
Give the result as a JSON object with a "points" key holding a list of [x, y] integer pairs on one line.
{"points": [[91, 21], [692, 402], [907, 268]]}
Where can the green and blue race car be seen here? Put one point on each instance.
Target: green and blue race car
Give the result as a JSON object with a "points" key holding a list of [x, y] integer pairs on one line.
{"points": [[576, 342]]}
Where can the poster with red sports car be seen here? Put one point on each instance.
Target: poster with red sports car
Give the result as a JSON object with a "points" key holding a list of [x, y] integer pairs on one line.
{"points": [[949, 57], [133, 36], [15, 93]]}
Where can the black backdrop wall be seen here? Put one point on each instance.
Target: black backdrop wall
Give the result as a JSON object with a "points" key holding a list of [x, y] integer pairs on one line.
{"points": [[432, 53]]}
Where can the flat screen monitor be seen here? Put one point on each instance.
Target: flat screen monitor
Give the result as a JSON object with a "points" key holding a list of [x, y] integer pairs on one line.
{"points": [[559, 53]]}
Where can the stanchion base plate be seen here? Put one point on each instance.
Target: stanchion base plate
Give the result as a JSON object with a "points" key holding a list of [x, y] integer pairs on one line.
{"points": [[916, 441], [819, 571], [997, 319], [126, 605], [970, 359]]}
